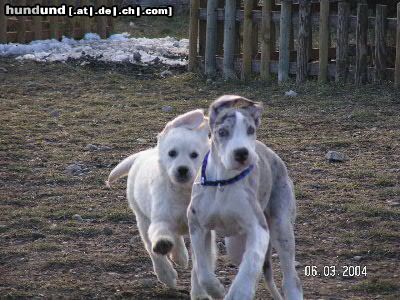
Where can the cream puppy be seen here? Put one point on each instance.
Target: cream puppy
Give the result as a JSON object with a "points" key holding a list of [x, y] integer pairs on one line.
{"points": [[159, 189]]}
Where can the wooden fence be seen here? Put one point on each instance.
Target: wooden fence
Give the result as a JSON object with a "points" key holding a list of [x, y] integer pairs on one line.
{"points": [[23, 29], [304, 38]]}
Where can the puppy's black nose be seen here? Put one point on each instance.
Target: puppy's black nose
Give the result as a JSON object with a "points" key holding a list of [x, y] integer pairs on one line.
{"points": [[241, 154], [183, 171]]}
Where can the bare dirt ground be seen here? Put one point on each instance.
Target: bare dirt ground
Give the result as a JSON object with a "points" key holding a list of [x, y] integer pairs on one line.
{"points": [[50, 113]]}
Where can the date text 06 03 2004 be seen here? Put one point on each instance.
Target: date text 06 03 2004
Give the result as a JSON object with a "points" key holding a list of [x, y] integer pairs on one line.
{"points": [[334, 271]]}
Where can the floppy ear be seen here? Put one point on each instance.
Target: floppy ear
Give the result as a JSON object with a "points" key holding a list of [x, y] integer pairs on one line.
{"points": [[256, 111], [189, 120], [229, 101]]}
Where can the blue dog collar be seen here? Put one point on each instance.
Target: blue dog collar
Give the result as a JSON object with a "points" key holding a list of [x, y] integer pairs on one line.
{"points": [[222, 182]]}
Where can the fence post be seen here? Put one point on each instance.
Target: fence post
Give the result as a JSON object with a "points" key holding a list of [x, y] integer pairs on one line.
{"points": [[266, 39], [361, 74], [380, 44], [21, 27], [211, 38], [284, 34], [229, 39], [247, 38], [220, 31], [101, 21], [111, 20], [342, 44], [303, 43], [323, 40], [54, 23], [85, 20], [397, 67], [202, 31], [3, 23], [193, 34], [37, 24], [254, 33]]}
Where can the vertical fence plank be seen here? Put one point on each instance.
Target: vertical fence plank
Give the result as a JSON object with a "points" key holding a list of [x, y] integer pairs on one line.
{"points": [[266, 39], [193, 34], [37, 24], [21, 26], [238, 42], [247, 38], [397, 67], [342, 44], [303, 54], [111, 20], [380, 44], [101, 21], [285, 23], [361, 74], [202, 31], [229, 39], [211, 38], [85, 21], [3, 23], [323, 40], [220, 31], [54, 23], [254, 34]]}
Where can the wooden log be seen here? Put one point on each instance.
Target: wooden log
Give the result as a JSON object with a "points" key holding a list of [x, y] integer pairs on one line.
{"points": [[323, 40], [211, 38], [303, 50], [202, 30], [37, 24], [361, 74], [101, 21], [21, 28], [229, 40], [342, 44], [285, 23], [397, 64], [266, 42], [193, 34], [380, 44], [3, 23], [247, 38]]}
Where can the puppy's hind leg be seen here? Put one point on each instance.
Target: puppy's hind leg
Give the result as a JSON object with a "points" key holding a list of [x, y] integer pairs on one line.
{"points": [[161, 265], [282, 234], [269, 276], [179, 253]]}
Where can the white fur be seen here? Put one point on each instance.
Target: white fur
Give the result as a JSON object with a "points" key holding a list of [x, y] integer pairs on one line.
{"points": [[158, 197]]}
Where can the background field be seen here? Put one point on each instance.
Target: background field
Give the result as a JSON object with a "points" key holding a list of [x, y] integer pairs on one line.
{"points": [[348, 213]]}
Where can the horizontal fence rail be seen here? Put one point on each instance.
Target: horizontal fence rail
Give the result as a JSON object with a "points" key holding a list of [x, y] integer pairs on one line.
{"points": [[330, 40], [24, 29]]}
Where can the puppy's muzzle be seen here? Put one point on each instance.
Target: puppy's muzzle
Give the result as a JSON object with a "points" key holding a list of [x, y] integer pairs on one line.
{"points": [[241, 155], [182, 174]]}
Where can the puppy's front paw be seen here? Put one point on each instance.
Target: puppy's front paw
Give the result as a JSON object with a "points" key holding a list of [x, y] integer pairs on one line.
{"points": [[163, 246], [213, 287], [239, 294], [167, 275]]}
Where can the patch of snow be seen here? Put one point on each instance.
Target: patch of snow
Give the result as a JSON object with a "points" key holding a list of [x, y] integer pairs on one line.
{"points": [[117, 48]]}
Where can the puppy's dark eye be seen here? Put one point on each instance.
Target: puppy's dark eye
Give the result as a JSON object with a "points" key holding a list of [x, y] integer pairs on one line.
{"points": [[194, 155], [223, 132], [250, 130], [172, 153]]}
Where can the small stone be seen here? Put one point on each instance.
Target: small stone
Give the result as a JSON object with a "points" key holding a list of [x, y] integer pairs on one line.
{"points": [[141, 141], [77, 217], [167, 108], [74, 169], [91, 147], [291, 93], [357, 258], [107, 231], [2, 69], [165, 73], [334, 156], [274, 255], [137, 56]]}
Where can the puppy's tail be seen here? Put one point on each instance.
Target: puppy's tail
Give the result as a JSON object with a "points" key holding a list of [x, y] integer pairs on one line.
{"points": [[121, 170]]}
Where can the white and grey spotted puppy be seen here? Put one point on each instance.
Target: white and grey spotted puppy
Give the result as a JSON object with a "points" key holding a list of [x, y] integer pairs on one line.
{"points": [[245, 194], [159, 187]]}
